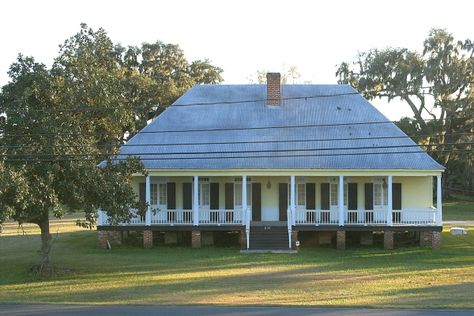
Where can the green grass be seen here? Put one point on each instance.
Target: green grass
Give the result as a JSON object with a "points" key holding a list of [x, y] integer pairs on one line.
{"points": [[458, 211], [410, 277]]}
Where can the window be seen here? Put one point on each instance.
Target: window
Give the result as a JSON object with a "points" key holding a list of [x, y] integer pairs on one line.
{"points": [[238, 194], [301, 194], [204, 194], [154, 194], [162, 197], [333, 193], [380, 195]]}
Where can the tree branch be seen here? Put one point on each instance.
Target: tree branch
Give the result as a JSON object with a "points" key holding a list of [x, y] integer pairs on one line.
{"points": [[415, 110]]}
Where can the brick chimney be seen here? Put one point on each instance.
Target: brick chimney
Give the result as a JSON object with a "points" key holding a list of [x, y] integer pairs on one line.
{"points": [[273, 88]]}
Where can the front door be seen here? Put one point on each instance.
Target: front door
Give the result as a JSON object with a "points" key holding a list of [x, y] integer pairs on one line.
{"points": [[283, 201], [256, 202]]}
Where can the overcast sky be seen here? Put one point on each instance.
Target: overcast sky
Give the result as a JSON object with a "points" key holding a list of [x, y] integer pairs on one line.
{"points": [[239, 36]]}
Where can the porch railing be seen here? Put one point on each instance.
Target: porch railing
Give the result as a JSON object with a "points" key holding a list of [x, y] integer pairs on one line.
{"points": [[418, 216], [221, 217], [181, 217]]}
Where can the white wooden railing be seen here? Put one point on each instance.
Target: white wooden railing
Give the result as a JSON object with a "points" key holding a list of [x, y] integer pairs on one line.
{"points": [[316, 217], [172, 217], [412, 216], [221, 217], [182, 217]]}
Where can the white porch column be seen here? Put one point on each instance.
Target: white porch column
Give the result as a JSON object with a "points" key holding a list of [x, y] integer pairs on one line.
{"points": [[244, 193], [196, 201], [439, 202], [148, 201], [292, 198], [245, 214], [389, 202], [340, 200]]}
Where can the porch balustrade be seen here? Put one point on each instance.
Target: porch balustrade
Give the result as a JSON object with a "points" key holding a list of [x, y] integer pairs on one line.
{"points": [[419, 216], [181, 217]]}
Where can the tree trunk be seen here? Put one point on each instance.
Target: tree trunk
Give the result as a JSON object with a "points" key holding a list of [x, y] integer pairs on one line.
{"points": [[46, 243]]}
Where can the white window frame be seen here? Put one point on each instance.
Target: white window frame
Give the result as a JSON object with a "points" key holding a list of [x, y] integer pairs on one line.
{"points": [[162, 194], [204, 193], [301, 187], [154, 193], [238, 193], [299, 182], [380, 196], [334, 194]]}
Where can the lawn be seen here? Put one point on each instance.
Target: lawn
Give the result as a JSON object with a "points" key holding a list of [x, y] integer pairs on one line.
{"points": [[409, 277], [458, 211]]}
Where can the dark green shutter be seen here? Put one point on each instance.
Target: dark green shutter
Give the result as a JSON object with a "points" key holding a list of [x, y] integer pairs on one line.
{"points": [[325, 196], [352, 196], [214, 187], [310, 196], [369, 196], [256, 201], [283, 200], [142, 192], [397, 196], [229, 196], [187, 196], [171, 195]]}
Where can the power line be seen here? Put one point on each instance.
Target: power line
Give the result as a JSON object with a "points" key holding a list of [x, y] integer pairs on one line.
{"points": [[248, 142], [224, 128], [235, 151], [124, 107], [244, 157]]}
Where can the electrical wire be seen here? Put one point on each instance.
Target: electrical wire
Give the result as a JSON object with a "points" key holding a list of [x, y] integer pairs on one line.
{"points": [[238, 157], [238, 151]]}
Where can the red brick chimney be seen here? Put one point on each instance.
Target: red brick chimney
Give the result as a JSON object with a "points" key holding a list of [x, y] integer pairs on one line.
{"points": [[273, 88]]}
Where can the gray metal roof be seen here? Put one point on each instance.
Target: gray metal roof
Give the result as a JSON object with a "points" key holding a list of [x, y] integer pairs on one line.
{"points": [[190, 120]]}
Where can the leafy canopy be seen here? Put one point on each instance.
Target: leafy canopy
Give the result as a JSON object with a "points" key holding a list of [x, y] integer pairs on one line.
{"points": [[437, 83]]}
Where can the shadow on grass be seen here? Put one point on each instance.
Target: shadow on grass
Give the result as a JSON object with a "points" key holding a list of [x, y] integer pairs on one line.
{"points": [[189, 276]]}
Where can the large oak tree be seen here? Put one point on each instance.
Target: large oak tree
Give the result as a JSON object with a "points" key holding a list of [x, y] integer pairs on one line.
{"points": [[60, 123], [437, 85]]}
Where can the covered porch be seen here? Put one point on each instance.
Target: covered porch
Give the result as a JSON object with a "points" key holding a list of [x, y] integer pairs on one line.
{"points": [[295, 200]]}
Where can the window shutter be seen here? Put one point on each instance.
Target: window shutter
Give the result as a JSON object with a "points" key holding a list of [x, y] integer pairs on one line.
{"points": [[187, 196], [397, 196], [352, 196], [214, 205], [310, 196], [142, 192], [283, 200], [256, 201], [171, 195], [369, 196], [325, 196], [229, 196]]}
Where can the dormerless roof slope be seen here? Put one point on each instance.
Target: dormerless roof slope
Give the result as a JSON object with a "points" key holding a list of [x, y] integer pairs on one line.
{"points": [[232, 133]]}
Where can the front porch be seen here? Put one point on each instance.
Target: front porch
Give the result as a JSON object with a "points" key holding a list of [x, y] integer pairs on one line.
{"points": [[309, 202]]}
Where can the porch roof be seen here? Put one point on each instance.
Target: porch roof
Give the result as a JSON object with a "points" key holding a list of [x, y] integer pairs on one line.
{"points": [[233, 133]]}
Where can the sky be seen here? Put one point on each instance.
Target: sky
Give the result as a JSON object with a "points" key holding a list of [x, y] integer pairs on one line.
{"points": [[240, 36]]}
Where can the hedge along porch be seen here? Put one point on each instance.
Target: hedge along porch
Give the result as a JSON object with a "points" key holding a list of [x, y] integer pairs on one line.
{"points": [[272, 160]]}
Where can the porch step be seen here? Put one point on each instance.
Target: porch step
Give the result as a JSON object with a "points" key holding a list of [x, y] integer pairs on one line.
{"points": [[268, 238]]}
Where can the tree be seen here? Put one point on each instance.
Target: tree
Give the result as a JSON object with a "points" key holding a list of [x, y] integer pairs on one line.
{"points": [[50, 158], [289, 75], [436, 84], [157, 74], [58, 124]]}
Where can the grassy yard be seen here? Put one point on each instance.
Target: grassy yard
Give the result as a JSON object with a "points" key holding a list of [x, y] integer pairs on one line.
{"points": [[411, 277], [458, 211]]}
